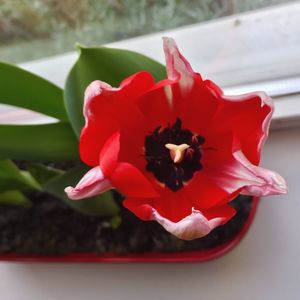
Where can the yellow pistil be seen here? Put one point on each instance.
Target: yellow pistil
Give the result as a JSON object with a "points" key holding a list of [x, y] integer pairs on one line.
{"points": [[177, 152]]}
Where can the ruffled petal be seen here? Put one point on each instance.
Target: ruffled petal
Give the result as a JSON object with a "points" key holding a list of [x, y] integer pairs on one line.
{"points": [[247, 116], [177, 66], [183, 95], [92, 183], [240, 174], [193, 226], [261, 182], [108, 109]]}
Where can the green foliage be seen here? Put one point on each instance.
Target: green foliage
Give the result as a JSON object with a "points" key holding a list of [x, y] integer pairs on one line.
{"points": [[103, 205], [41, 173], [43, 142], [12, 178], [47, 142], [106, 64], [24, 89]]}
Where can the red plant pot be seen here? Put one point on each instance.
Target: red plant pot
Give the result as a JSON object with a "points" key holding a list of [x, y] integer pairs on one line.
{"points": [[181, 257]]}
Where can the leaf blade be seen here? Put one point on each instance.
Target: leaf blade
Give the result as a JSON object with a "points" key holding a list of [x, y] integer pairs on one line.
{"points": [[13, 178], [102, 205], [27, 90], [42, 173], [55, 141]]}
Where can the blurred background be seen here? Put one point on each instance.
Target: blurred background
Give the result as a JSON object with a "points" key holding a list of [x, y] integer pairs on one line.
{"points": [[32, 29]]}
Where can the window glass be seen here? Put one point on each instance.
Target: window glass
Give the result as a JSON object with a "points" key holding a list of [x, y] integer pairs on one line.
{"points": [[31, 29]]}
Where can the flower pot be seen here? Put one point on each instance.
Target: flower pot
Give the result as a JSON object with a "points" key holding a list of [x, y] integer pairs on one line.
{"points": [[182, 257]]}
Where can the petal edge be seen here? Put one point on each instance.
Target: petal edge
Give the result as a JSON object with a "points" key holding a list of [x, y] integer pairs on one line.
{"points": [[194, 226], [178, 68], [91, 184]]}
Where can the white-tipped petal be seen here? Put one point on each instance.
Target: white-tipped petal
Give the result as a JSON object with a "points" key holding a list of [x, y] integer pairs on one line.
{"points": [[92, 183], [254, 180], [177, 66], [194, 226], [94, 89], [263, 182]]}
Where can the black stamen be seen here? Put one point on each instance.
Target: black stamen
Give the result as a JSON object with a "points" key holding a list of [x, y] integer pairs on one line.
{"points": [[158, 158]]}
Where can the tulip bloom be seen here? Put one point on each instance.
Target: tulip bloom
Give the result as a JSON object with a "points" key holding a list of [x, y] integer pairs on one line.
{"points": [[179, 149]]}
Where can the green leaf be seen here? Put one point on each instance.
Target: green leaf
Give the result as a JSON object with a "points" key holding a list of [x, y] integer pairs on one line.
{"points": [[103, 205], [13, 178], [24, 89], [15, 198], [43, 173], [106, 64], [38, 142]]}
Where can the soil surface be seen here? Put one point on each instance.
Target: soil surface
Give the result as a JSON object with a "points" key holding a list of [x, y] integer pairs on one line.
{"points": [[52, 228]]}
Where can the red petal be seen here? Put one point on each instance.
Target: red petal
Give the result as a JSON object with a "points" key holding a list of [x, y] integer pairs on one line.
{"points": [[109, 155], [124, 176], [205, 192], [183, 95], [231, 172], [136, 85], [107, 110], [225, 212], [172, 205], [139, 207], [131, 182], [247, 116], [164, 103], [198, 107], [156, 106]]}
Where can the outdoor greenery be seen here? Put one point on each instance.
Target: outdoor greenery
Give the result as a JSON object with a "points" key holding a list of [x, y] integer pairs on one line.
{"points": [[32, 29]]}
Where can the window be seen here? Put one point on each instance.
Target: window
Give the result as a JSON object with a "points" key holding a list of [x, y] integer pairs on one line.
{"points": [[41, 28]]}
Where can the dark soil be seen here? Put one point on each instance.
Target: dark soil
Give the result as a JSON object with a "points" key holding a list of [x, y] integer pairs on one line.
{"points": [[52, 228]]}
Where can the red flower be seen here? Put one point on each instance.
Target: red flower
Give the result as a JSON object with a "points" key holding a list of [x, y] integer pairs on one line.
{"points": [[179, 149]]}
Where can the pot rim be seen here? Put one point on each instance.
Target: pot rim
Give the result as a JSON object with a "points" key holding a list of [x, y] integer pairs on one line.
{"points": [[179, 257]]}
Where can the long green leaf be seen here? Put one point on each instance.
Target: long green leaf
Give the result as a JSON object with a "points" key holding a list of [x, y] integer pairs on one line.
{"points": [[38, 142], [103, 205], [13, 178], [42, 173], [24, 89], [106, 64], [15, 198]]}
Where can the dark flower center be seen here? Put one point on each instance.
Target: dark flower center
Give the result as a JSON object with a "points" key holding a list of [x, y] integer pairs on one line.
{"points": [[173, 154]]}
